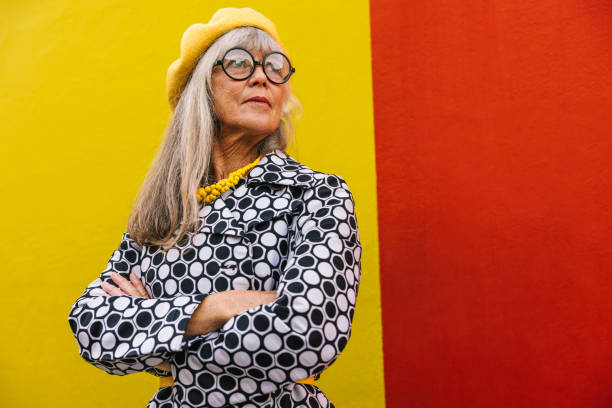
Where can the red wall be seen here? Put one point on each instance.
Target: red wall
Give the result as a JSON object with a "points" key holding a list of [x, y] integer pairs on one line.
{"points": [[493, 146]]}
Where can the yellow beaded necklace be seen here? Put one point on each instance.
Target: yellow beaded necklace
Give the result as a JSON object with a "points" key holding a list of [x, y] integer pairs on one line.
{"points": [[209, 193]]}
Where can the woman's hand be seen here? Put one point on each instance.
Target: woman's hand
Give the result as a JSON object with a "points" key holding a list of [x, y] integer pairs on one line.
{"points": [[133, 287]]}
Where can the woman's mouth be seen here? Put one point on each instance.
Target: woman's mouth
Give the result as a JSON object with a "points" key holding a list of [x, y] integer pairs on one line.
{"points": [[259, 99]]}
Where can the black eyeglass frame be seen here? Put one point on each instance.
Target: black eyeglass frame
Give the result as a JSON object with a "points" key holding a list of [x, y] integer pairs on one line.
{"points": [[255, 64]]}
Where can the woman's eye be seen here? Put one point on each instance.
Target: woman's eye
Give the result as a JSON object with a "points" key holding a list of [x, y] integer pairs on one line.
{"points": [[238, 63], [272, 67]]}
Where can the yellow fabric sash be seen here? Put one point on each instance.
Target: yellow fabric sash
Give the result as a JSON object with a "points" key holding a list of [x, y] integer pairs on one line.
{"points": [[169, 381]]}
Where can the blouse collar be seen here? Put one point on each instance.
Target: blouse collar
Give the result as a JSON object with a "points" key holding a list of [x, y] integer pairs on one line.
{"points": [[277, 167]]}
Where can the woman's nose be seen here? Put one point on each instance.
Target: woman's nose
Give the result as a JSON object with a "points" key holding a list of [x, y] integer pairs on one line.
{"points": [[258, 76]]}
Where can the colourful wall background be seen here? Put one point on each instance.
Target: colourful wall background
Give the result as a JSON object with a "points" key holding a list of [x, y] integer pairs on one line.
{"points": [[475, 137]]}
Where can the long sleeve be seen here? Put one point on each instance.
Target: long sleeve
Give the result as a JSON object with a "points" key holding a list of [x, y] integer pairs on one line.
{"points": [[125, 334], [306, 328]]}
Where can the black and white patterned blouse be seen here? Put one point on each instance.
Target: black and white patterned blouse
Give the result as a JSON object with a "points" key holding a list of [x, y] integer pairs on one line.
{"points": [[283, 227]]}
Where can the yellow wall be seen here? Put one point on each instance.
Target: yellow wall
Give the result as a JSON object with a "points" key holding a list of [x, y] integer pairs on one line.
{"points": [[82, 111]]}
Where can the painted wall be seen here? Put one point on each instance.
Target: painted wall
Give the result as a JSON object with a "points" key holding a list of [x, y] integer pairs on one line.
{"points": [[82, 112], [493, 147], [475, 137]]}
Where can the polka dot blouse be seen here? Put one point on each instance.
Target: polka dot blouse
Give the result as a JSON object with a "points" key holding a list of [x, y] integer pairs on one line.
{"points": [[283, 227]]}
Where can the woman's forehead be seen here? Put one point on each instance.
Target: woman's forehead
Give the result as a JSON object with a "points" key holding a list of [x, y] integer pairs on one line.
{"points": [[256, 50]]}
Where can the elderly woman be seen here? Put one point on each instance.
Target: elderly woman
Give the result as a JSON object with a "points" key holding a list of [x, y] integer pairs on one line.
{"points": [[236, 280]]}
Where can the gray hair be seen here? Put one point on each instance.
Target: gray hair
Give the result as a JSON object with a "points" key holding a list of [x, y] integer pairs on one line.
{"points": [[167, 198]]}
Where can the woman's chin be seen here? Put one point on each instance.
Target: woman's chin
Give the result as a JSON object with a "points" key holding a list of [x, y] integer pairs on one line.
{"points": [[260, 127]]}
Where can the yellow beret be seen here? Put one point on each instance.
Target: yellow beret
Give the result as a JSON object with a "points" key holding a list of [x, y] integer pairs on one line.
{"points": [[198, 37]]}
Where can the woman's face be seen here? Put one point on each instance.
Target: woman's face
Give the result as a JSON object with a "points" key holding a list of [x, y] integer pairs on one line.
{"points": [[236, 112]]}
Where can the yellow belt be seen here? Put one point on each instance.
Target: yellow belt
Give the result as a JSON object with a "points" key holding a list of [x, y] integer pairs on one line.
{"points": [[169, 381]]}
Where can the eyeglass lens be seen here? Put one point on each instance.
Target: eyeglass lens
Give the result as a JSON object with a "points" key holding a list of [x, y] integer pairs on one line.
{"points": [[238, 64]]}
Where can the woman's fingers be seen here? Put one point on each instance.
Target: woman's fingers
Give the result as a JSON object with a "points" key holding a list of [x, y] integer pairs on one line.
{"points": [[110, 289], [138, 285], [124, 284], [133, 287]]}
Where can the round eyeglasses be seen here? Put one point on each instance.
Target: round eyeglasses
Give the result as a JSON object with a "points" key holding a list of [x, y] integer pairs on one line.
{"points": [[239, 64]]}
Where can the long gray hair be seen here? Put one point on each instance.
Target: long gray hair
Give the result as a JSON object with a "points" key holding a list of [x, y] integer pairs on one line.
{"points": [[167, 198]]}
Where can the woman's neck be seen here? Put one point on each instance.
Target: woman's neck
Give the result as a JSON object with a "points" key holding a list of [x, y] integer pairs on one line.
{"points": [[231, 153]]}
